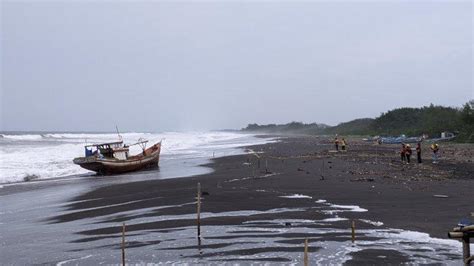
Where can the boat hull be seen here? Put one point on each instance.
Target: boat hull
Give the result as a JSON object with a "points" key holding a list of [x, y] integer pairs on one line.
{"points": [[106, 166]]}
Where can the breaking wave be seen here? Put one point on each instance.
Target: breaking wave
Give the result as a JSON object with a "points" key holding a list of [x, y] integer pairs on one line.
{"points": [[50, 155]]}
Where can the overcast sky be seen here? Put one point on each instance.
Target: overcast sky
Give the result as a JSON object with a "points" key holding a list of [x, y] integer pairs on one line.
{"points": [[155, 66]]}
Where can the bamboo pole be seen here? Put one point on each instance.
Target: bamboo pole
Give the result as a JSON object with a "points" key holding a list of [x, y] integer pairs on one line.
{"points": [[266, 166], [466, 251], [123, 244], [306, 252], [353, 231], [199, 210]]}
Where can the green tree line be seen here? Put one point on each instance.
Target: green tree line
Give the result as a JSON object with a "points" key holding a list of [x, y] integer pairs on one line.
{"points": [[430, 120]]}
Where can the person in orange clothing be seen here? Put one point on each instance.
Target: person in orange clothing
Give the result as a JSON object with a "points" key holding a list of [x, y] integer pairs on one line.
{"points": [[408, 152], [343, 144], [402, 153], [435, 149]]}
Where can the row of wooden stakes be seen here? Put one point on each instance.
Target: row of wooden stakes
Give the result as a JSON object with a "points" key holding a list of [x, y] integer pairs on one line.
{"points": [[198, 222]]}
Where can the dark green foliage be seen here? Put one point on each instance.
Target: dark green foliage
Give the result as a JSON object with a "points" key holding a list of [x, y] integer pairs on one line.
{"points": [[431, 120], [293, 127], [355, 127], [466, 133]]}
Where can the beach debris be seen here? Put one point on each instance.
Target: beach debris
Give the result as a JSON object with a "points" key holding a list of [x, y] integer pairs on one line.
{"points": [[205, 193], [300, 170], [363, 179], [465, 222], [28, 178], [440, 196], [287, 224]]}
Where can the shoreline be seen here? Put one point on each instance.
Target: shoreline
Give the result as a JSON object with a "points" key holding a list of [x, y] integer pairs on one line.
{"points": [[381, 195]]}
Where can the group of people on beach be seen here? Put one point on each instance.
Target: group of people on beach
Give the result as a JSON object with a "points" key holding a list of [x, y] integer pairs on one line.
{"points": [[341, 142], [406, 152]]}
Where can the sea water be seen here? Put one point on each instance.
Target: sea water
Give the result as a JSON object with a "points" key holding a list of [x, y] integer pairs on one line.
{"points": [[50, 155]]}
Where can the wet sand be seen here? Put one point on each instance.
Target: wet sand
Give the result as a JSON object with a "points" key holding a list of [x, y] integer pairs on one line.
{"points": [[248, 201], [400, 195]]}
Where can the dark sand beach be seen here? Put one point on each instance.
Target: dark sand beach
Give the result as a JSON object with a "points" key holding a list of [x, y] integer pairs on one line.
{"points": [[252, 202]]}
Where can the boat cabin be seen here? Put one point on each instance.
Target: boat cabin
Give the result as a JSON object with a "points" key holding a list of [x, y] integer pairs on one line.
{"points": [[109, 150]]}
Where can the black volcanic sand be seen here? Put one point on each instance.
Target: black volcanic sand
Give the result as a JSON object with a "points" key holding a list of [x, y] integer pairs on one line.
{"points": [[367, 175]]}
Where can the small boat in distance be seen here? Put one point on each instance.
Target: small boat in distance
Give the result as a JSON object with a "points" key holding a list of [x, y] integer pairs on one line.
{"points": [[113, 157]]}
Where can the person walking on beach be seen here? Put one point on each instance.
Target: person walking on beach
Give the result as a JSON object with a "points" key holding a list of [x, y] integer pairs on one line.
{"points": [[343, 144], [435, 149], [402, 153], [408, 152], [418, 152], [336, 143]]}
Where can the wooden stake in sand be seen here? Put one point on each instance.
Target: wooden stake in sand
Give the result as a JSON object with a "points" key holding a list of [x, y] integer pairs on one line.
{"points": [[199, 210], [353, 227], [464, 233], [123, 244], [466, 251], [306, 252]]}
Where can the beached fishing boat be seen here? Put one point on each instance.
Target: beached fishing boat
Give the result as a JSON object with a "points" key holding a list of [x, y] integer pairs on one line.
{"points": [[114, 158]]}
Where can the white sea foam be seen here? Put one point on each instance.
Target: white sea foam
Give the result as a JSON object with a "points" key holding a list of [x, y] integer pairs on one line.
{"points": [[297, 196], [350, 208], [71, 260], [375, 223], [50, 155], [334, 219], [20, 137]]}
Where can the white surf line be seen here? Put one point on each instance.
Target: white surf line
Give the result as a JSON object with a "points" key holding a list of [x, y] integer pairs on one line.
{"points": [[350, 208], [333, 219], [375, 223], [393, 236], [296, 196], [250, 177], [79, 201], [71, 260]]}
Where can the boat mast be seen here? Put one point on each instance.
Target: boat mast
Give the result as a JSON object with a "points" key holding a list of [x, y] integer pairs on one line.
{"points": [[118, 133]]}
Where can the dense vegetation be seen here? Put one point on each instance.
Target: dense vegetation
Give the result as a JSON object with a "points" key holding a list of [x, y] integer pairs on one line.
{"points": [[293, 127], [431, 120]]}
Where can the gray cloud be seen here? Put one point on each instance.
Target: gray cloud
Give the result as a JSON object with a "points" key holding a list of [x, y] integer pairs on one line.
{"points": [[204, 65]]}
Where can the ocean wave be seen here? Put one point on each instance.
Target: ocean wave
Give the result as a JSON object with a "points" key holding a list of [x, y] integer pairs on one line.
{"points": [[20, 137], [50, 155]]}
